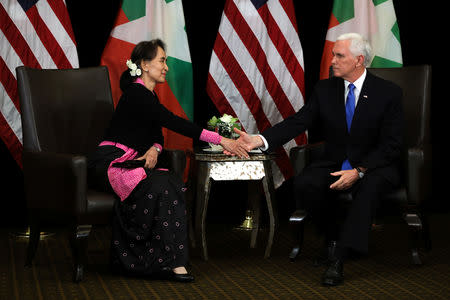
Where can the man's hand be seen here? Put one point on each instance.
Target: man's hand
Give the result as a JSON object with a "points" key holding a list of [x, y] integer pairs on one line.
{"points": [[346, 180], [151, 158], [249, 142], [232, 147]]}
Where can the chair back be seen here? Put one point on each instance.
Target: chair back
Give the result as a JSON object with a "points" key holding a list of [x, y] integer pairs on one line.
{"points": [[64, 111], [415, 82]]}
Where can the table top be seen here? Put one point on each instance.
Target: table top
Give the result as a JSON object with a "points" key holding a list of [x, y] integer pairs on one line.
{"points": [[218, 156]]}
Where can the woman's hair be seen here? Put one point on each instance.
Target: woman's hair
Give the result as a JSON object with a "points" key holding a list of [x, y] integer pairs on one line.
{"points": [[145, 50], [358, 46]]}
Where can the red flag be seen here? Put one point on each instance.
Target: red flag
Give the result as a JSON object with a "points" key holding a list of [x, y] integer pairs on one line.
{"points": [[36, 34], [256, 69]]}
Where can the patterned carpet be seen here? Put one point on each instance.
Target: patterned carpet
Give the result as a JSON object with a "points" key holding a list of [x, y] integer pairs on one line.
{"points": [[235, 271]]}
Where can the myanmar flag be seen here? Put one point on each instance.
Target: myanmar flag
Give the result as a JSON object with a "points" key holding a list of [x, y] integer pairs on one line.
{"points": [[373, 19], [140, 20]]}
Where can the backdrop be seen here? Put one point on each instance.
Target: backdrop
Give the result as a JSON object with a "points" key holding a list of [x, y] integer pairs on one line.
{"points": [[92, 22]]}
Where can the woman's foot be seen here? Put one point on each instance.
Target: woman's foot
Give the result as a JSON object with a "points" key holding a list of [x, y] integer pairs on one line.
{"points": [[179, 270], [178, 274]]}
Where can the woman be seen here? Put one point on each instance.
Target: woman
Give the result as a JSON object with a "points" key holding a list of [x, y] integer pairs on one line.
{"points": [[149, 235]]}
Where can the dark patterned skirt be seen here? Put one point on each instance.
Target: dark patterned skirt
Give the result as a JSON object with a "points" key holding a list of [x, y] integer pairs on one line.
{"points": [[149, 227]]}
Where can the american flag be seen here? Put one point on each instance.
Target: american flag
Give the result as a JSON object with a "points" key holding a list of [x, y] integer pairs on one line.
{"points": [[34, 33], [256, 69]]}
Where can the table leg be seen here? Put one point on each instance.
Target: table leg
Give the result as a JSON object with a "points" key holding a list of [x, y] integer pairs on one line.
{"points": [[253, 196], [203, 189], [269, 191]]}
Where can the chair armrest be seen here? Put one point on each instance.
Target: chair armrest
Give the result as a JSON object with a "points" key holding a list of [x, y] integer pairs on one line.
{"points": [[177, 160], [301, 156], [55, 181], [418, 177]]}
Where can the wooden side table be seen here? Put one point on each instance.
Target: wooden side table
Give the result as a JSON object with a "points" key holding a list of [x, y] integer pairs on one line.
{"points": [[220, 167]]}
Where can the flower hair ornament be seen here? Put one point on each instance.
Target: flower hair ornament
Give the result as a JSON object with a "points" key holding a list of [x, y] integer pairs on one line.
{"points": [[134, 70]]}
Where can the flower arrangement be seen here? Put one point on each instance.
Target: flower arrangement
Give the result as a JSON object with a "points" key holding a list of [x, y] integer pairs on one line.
{"points": [[224, 125], [134, 69]]}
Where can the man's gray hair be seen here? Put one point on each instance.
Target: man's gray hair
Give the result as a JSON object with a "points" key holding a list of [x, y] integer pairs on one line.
{"points": [[358, 46]]}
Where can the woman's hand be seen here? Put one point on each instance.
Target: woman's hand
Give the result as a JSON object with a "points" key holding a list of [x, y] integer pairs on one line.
{"points": [[233, 147], [151, 158]]}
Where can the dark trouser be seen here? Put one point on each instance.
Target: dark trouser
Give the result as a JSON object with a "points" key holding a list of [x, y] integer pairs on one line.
{"points": [[312, 192]]}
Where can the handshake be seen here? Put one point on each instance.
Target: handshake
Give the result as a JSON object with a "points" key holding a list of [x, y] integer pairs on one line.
{"points": [[244, 144]]}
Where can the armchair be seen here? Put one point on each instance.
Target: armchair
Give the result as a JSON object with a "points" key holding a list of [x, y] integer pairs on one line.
{"points": [[64, 115], [415, 82]]}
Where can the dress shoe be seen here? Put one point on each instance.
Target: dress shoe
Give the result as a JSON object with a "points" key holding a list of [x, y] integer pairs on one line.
{"points": [[327, 255], [334, 275], [169, 274]]}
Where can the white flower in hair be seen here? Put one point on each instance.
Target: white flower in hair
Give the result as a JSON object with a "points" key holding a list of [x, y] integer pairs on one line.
{"points": [[134, 70]]}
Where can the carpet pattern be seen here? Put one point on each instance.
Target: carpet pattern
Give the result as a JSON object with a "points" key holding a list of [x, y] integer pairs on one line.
{"points": [[234, 271]]}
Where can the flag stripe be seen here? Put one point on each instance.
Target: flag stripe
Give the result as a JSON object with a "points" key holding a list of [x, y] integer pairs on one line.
{"points": [[280, 41], [262, 74], [10, 139], [40, 37], [61, 35], [245, 87], [62, 14], [256, 69], [289, 9], [9, 83], [16, 40], [47, 38], [266, 63], [26, 30], [233, 98], [218, 97]]}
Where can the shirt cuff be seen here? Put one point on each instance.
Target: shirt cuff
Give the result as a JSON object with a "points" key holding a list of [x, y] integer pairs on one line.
{"points": [[266, 145]]}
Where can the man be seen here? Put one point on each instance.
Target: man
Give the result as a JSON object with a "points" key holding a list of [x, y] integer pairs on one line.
{"points": [[361, 121]]}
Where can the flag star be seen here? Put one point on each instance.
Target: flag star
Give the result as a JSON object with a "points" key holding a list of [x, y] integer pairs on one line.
{"points": [[162, 27], [364, 22]]}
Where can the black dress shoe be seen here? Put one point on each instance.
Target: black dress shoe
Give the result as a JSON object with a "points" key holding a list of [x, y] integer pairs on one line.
{"points": [[327, 255], [169, 274], [334, 275]]}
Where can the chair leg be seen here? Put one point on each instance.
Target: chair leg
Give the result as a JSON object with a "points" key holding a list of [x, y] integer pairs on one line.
{"points": [[297, 221], [299, 235], [33, 242], [416, 234], [79, 242]]}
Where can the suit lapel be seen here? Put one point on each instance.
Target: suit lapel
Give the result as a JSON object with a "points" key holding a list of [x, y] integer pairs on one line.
{"points": [[339, 104], [363, 101]]}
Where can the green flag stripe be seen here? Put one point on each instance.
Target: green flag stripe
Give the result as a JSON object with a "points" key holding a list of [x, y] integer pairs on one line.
{"points": [[168, 1], [380, 62], [396, 31], [343, 10], [378, 2], [182, 88], [133, 9]]}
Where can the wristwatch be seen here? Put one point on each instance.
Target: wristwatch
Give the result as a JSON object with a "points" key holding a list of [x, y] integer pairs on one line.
{"points": [[360, 173], [157, 149]]}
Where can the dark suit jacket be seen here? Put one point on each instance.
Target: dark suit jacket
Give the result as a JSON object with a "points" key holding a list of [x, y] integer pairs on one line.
{"points": [[376, 134]]}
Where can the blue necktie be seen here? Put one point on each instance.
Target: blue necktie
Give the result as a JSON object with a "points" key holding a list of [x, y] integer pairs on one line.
{"points": [[349, 110]]}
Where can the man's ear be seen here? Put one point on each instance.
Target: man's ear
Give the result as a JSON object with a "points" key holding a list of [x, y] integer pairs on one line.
{"points": [[360, 59]]}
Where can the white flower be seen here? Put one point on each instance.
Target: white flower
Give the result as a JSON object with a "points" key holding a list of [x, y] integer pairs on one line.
{"points": [[134, 70], [226, 118]]}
